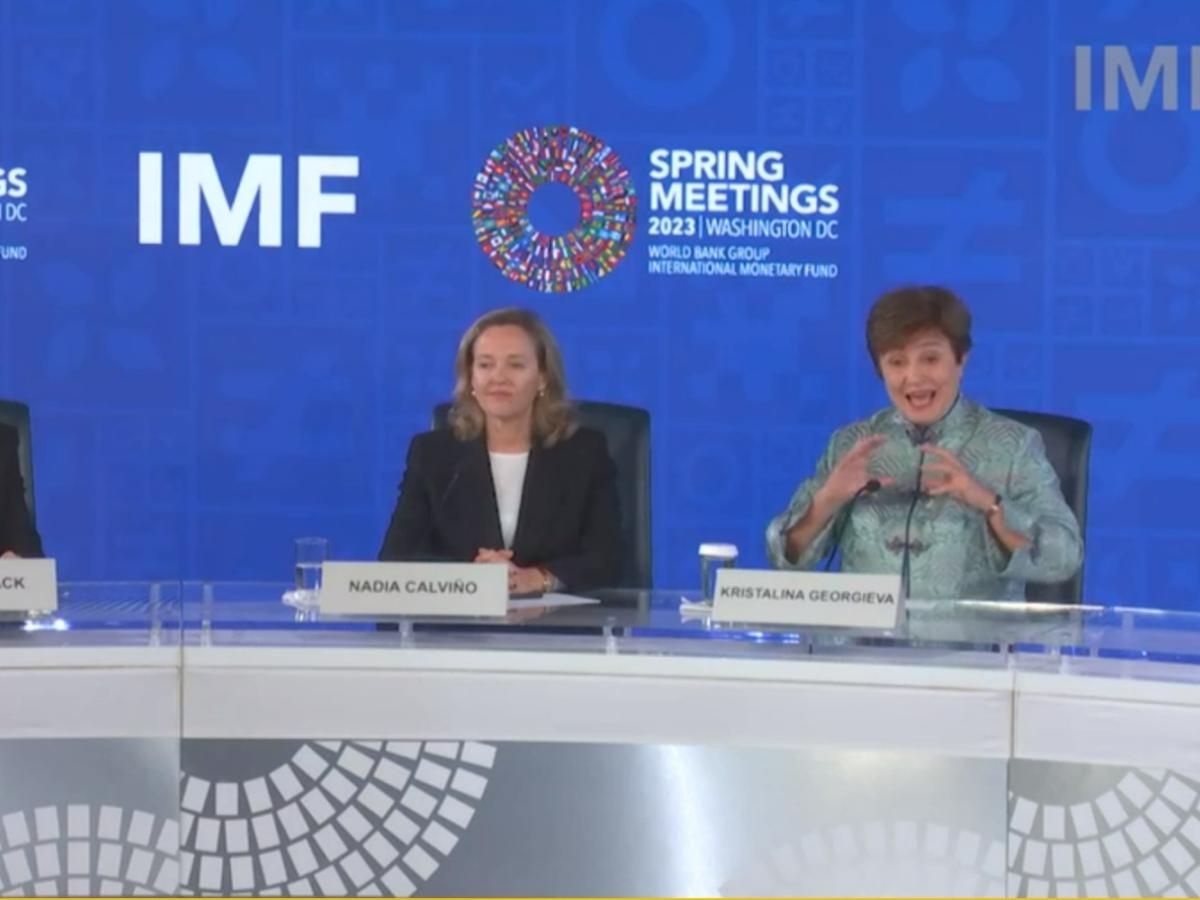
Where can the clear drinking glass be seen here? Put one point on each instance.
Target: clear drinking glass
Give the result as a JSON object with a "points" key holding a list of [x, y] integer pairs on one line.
{"points": [[714, 557], [311, 553]]}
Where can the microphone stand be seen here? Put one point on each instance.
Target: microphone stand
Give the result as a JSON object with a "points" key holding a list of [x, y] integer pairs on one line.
{"points": [[919, 435], [844, 517]]}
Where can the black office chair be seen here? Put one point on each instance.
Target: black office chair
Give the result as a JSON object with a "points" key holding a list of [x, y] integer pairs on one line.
{"points": [[16, 415], [1068, 448], [627, 429]]}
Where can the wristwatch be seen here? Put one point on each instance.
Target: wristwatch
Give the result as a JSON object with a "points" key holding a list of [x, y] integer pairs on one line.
{"points": [[547, 580], [997, 501]]}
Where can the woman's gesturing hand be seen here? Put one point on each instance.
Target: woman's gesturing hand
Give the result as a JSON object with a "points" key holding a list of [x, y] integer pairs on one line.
{"points": [[851, 472]]}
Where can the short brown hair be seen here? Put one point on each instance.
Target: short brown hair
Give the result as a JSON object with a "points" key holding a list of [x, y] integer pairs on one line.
{"points": [[553, 413], [906, 311]]}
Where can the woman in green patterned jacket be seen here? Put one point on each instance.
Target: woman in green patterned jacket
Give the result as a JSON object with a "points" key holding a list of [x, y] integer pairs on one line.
{"points": [[969, 494]]}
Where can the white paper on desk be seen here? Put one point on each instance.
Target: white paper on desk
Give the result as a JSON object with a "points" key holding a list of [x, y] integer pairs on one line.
{"points": [[692, 610], [551, 599]]}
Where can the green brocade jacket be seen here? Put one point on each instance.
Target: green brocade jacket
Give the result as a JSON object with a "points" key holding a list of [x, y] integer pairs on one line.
{"points": [[952, 552]]}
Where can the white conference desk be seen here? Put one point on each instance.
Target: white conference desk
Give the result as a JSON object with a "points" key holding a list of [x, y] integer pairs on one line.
{"points": [[609, 750]]}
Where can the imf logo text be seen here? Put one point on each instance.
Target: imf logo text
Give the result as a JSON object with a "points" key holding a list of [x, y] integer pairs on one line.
{"points": [[1156, 85]]}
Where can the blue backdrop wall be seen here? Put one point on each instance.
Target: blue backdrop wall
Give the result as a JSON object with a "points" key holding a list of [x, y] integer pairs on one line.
{"points": [[198, 406]]}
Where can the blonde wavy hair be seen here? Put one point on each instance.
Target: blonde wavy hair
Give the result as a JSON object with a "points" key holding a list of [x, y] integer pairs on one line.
{"points": [[553, 412]]}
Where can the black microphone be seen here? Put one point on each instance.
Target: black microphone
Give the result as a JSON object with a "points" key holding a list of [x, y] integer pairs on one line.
{"points": [[919, 435], [453, 481], [844, 517]]}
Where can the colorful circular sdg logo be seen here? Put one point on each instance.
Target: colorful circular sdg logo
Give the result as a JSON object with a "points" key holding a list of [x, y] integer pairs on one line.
{"points": [[607, 208]]}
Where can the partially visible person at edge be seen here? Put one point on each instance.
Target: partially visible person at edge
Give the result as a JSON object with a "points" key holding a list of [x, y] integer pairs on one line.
{"points": [[18, 537], [514, 479], [984, 516]]}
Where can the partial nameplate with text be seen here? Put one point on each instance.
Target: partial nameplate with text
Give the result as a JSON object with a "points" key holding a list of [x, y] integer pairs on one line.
{"points": [[28, 585]]}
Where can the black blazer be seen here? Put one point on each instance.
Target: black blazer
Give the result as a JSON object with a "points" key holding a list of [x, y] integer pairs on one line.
{"points": [[16, 529], [569, 521]]}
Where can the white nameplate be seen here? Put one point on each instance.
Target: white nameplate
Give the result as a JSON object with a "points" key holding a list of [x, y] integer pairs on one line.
{"points": [[28, 584], [415, 589], [807, 598]]}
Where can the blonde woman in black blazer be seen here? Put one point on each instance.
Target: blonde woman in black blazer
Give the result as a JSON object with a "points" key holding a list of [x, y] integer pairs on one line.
{"points": [[513, 478]]}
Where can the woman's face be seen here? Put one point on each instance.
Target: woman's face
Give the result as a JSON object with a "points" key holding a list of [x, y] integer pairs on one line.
{"points": [[504, 374], [922, 377]]}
